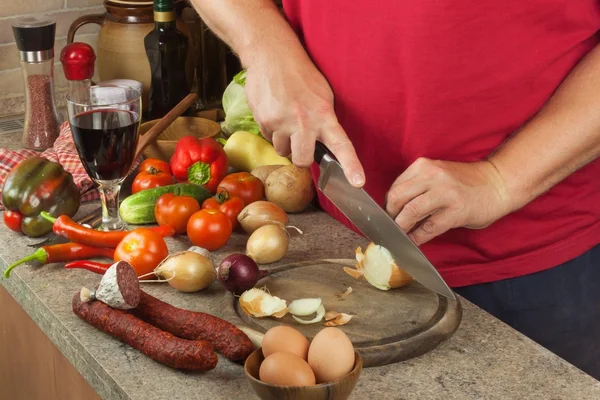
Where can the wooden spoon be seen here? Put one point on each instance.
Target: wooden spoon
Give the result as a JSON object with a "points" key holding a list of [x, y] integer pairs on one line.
{"points": [[164, 123]]}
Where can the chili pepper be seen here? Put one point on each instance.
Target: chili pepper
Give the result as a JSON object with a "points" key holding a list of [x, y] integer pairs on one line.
{"points": [[63, 252], [65, 226], [200, 161], [92, 266]]}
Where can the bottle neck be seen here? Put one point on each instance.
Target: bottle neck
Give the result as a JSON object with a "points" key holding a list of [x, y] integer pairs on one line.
{"points": [[164, 18]]}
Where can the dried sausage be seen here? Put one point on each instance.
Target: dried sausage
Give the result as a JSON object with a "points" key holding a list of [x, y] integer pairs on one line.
{"points": [[157, 344], [226, 337]]}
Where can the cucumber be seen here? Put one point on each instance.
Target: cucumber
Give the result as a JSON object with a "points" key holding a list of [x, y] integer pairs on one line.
{"points": [[138, 208]]}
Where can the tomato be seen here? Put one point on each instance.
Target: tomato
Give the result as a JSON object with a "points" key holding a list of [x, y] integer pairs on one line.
{"points": [[231, 207], [143, 248], [244, 185], [152, 179], [209, 229], [13, 219], [175, 211], [153, 163]]}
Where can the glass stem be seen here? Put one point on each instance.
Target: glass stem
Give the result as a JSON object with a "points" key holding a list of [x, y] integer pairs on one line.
{"points": [[109, 196]]}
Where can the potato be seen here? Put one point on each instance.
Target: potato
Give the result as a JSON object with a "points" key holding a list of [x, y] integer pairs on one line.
{"points": [[291, 188], [263, 172]]}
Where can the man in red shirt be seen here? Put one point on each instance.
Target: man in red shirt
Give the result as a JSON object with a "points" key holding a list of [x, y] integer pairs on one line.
{"points": [[476, 124]]}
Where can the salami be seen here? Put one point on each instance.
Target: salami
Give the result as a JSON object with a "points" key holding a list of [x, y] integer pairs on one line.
{"points": [[119, 287], [226, 337], [161, 346]]}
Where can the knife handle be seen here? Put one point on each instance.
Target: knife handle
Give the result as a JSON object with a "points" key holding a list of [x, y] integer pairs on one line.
{"points": [[320, 151]]}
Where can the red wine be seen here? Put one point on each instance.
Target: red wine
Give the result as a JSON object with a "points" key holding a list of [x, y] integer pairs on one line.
{"points": [[106, 141]]}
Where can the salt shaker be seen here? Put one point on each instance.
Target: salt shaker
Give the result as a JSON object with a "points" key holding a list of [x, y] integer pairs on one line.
{"points": [[35, 40], [78, 65]]}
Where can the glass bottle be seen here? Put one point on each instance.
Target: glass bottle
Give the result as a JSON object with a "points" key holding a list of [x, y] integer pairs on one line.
{"points": [[166, 48], [35, 40], [78, 59]]}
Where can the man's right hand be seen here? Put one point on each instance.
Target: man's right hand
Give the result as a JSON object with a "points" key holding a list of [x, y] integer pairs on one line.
{"points": [[293, 105]]}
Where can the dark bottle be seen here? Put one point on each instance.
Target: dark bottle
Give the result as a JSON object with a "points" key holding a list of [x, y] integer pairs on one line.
{"points": [[167, 49]]}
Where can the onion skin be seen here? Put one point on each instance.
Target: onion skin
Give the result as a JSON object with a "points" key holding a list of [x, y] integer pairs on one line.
{"points": [[261, 213], [239, 273], [268, 244]]}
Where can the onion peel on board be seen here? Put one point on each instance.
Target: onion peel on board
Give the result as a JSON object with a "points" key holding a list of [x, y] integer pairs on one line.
{"points": [[259, 303], [378, 267], [334, 318]]}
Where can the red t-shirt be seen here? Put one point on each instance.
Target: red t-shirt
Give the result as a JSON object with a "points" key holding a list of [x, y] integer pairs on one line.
{"points": [[451, 80]]}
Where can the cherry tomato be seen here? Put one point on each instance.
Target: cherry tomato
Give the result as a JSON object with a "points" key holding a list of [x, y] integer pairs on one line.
{"points": [[175, 211], [232, 207], [244, 185], [209, 229], [153, 179], [153, 163], [13, 219], [143, 248]]}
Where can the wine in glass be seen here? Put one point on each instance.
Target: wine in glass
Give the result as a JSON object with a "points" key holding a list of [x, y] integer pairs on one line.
{"points": [[105, 127]]}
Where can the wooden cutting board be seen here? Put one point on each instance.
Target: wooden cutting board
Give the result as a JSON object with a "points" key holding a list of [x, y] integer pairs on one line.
{"points": [[387, 326]]}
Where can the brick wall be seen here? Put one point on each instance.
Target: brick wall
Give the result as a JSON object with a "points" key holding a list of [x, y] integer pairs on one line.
{"points": [[65, 12]]}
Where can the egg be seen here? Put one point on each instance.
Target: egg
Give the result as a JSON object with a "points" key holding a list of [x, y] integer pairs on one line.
{"points": [[286, 339], [331, 355], [286, 369]]}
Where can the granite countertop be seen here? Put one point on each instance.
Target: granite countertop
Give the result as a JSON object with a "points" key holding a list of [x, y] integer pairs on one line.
{"points": [[485, 359]]}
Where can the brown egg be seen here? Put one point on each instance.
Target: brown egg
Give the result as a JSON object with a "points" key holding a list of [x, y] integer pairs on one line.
{"points": [[331, 355], [286, 339], [286, 369]]}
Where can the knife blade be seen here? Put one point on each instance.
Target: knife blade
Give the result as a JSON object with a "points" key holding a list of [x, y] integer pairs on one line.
{"points": [[375, 223]]}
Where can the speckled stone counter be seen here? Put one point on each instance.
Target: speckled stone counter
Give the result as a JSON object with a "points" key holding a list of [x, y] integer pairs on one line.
{"points": [[485, 359]]}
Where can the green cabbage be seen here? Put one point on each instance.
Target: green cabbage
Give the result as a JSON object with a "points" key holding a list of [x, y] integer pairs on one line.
{"points": [[238, 116]]}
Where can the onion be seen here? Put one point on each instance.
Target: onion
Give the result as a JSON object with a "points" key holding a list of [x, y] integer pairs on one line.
{"points": [[268, 244], [378, 267], [187, 271], [258, 303], [239, 273], [320, 314], [304, 307], [261, 213]]}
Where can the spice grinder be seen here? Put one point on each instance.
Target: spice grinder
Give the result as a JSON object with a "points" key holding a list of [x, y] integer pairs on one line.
{"points": [[35, 41]]}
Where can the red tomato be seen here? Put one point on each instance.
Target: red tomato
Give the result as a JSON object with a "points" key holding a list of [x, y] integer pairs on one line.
{"points": [[13, 219], [143, 248], [148, 180], [158, 165], [209, 229], [231, 207], [175, 211], [244, 185]]}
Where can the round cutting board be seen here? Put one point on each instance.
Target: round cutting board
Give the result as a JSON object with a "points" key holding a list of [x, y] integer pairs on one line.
{"points": [[386, 327]]}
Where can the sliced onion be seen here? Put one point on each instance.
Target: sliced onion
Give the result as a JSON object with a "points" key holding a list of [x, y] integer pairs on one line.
{"points": [[258, 303], [378, 267], [318, 318], [304, 307]]}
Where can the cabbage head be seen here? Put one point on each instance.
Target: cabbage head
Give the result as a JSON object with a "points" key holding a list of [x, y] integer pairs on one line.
{"points": [[238, 116]]}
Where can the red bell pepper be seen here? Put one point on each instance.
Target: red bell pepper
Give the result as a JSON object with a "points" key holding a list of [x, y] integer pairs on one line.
{"points": [[200, 161]]}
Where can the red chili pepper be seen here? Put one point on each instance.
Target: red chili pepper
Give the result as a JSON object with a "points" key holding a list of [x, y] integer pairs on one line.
{"points": [[200, 161], [92, 266], [65, 226], [63, 252]]}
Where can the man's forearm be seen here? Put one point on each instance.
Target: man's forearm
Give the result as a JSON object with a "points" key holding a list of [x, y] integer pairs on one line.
{"points": [[250, 28], [562, 138]]}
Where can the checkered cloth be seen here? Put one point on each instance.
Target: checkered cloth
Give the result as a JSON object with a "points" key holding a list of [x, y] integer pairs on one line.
{"points": [[63, 152]]}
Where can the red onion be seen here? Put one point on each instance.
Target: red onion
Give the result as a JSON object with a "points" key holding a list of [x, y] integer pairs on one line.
{"points": [[239, 273]]}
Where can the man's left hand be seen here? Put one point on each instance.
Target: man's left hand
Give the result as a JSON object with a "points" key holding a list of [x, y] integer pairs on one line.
{"points": [[432, 196]]}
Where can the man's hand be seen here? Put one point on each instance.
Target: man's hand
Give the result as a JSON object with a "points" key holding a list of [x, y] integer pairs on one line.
{"points": [[431, 197], [293, 105]]}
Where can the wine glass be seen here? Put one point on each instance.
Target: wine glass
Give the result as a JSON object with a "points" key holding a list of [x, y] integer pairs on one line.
{"points": [[105, 126]]}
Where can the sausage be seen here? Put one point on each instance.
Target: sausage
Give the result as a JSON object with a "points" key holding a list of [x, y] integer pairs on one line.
{"points": [[226, 337], [128, 283], [157, 344]]}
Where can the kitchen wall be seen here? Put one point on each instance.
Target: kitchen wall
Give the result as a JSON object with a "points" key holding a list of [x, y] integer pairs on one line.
{"points": [[65, 12]]}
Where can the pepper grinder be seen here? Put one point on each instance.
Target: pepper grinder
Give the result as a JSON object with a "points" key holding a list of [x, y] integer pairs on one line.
{"points": [[78, 60], [35, 40]]}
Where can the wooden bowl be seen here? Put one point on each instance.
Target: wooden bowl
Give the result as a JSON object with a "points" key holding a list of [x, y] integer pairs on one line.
{"points": [[339, 389], [164, 146]]}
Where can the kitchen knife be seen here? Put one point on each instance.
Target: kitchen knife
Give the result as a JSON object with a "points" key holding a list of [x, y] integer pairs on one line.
{"points": [[375, 223]]}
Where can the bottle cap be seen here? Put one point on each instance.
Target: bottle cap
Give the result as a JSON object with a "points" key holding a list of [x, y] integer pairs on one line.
{"points": [[34, 36], [163, 5], [78, 61]]}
